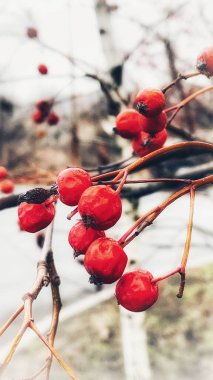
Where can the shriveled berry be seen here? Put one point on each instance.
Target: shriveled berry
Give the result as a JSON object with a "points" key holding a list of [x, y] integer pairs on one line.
{"points": [[72, 183], [35, 217], [100, 207], [105, 261], [135, 290], [7, 186], [146, 143], [154, 124], [205, 62], [43, 70], [53, 118], [81, 237], [32, 32], [128, 123], [38, 117], [150, 102], [3, 172]]}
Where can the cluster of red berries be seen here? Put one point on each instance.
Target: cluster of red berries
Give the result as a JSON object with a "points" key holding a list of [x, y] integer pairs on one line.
{"points": [[43, 113], [146, 127], [6, 184], [100, 207]]}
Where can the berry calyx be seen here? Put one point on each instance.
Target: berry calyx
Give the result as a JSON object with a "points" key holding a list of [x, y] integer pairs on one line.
{"points": [[43, 70], [100, 207], [205, 62], [72, 182], [53, 118], [38, 117], [146, 143], [3, 172], [105, 261], [128, 124], [150, 102], [35, 217], [7, 186], [154, 124], [32, 32], [81, 237], [135, 290]]}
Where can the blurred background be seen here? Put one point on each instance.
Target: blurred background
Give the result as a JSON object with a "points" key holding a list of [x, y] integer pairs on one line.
{"points": [[99, 54]]}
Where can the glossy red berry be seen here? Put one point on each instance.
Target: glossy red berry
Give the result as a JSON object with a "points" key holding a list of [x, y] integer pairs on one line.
{"points": [[72, 183], [7, 186], [105, 261], [135, 290], [100, 207], [150, 102], [81, 237], [35, 217], [154, 124], [205, 62], [128, 123], [53, 118], [42, 69], [32, 32], [3, 172], [146, 143], [38, 117]]}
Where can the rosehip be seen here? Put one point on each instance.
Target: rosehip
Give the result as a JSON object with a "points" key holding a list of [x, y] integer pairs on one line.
{"points": [[38, 117], [150, 102], [53, 118], [128, 123], [42, 69], [32, 32], [154, 124], [72, 183], [35, 217], [146, 143], [81, 237], [7, 186], [105, 261], [100, 207], [3, 172], [135, 291], [44, 106], [205, 62]]}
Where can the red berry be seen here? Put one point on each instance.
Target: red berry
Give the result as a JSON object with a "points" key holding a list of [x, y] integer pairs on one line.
{"points": [[105, 261], [81, 237], [53, 118], [7, 186], [205, 62], [42, 69], [32, 32], [72, 183], [154, 124], [128, 123], [44, 106], [35, 217], [100, 207], [135, 291], [150, 102], [146, 143], [38, 117], [3, 172]]}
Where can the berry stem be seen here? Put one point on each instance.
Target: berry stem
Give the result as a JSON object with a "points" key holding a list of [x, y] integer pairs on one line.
{"points": [[179, 78], [155, 280], [181, 180], [72, 213], [122, 182], [188, 99], [11, 319], [189, 230]]}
